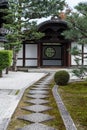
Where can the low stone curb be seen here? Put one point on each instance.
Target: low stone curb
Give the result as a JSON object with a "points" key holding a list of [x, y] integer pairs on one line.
{"points": [[68, 122]]}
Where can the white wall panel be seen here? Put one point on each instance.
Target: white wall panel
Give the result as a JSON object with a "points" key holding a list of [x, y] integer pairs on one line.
{"points": [[85, 59], [20, 54], [31, 63], [85, 48], [19, 62], [31, 51], [1, 48], [73, 44]]}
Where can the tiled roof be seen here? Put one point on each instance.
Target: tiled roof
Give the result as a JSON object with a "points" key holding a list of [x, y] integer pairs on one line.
{"points": [[52, 22], [3, 2]]}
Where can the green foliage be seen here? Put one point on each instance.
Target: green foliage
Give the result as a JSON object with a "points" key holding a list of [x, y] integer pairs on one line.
{"points": [[80, 72], [5, 59], [21, 17], [77, 23], [61, 77]]}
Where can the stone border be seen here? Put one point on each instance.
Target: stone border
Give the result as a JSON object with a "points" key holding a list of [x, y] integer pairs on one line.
{"points": [[68, 122]]}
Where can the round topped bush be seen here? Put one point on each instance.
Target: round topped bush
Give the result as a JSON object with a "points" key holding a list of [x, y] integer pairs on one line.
{"points": [[61, 77]]}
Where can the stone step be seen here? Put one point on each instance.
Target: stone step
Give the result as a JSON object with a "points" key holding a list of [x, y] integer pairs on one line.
{"points": [[37, 96], [36, 117], [37, 101], [38, 92], [36, 108], [36, 126]]}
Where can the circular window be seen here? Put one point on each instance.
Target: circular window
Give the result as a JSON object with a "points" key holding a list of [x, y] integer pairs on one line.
{"points": [[50, 52]]}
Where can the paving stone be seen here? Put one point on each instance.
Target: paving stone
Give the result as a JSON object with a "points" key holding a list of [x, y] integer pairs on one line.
{"points": [[36, 126], [38, 92], [43, 83], [37, 101], [37, 96], [37, 108], [39, 88], [42, 86], [36, 117]]}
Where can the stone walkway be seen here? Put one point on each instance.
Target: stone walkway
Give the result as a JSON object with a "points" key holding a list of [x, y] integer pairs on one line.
{"points": [[38, 94]]}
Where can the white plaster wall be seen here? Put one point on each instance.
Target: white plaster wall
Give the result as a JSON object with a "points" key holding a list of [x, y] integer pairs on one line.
{"points": [[85, 55], [85, 48], [20, 54], [1, 48], [19, 62], [31, 51], [31, 63], [73, 44], [72, 57]]}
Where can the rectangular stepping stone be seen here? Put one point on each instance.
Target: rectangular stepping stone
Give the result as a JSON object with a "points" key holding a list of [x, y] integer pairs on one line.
{"points": [[36, 117], [42, 86], [38, 92], [37, 101], [37, 96], [37, 108], [39, 88], [36, 126]]}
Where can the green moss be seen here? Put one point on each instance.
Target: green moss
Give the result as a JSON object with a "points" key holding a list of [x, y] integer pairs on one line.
{"points": [[17, 92], [74, 96]]}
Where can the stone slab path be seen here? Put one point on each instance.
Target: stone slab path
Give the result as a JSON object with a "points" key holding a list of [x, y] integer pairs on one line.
{"points": [[37, 97], [38, 93]]}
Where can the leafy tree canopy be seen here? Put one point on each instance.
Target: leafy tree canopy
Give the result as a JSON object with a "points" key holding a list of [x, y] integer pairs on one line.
{"points": [[77, 23]]}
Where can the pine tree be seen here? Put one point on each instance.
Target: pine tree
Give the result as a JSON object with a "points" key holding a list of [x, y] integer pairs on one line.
{"points": [[77, 23], [19, 24]]}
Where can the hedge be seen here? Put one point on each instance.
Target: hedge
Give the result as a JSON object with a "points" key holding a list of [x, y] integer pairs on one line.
{"points": [[5, 59], [61, 77]]}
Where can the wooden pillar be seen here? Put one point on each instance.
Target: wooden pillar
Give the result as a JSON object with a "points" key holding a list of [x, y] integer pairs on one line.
{"points": [[65, 56], [82, 54], [69, 55], [24, 55], [39, 54]]}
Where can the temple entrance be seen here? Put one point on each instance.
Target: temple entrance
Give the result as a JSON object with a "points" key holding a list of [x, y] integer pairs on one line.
{"points": [[52, 54], [51, 50]]}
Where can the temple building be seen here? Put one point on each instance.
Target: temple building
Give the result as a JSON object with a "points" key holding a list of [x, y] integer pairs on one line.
{"points": [[50, 50]]}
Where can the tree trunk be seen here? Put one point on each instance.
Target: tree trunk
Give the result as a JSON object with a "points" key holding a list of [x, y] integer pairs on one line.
{"points": [[0, 73], [14, 67], [7, 69]]}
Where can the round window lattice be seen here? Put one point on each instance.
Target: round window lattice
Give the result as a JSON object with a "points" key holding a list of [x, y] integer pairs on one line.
{"points": [[50, 52]]}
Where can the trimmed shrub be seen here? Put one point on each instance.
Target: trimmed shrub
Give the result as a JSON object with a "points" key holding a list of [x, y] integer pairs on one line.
{"points": [[5, 59], [61, 77]]}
